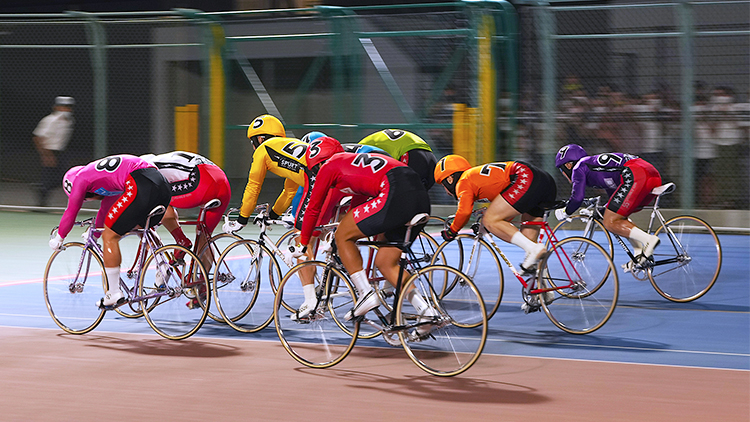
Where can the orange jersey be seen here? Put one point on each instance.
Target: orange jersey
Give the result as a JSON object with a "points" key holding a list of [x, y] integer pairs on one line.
{"points": [[482, 182]]}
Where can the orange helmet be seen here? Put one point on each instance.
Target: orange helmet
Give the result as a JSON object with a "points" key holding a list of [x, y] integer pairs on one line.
{"points": [[265, 125], [449, 165]]}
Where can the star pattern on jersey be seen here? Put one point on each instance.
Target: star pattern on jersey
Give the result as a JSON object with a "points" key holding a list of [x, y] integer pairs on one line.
{"points": [[627, 183], [187, 185], [123, 201]]}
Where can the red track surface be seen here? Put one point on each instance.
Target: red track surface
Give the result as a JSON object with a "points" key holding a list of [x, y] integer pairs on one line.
{"points": [[51, 376]]}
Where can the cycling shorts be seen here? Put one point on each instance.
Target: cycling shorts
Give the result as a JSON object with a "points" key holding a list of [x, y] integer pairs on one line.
{"points": [[423, 162], [637, 180], [146, 189], [206, 182], [531, 189], [402, 196]]}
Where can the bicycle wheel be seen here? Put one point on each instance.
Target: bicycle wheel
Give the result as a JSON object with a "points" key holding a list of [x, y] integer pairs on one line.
{"points": [[687, 261], [587, 285], [166, 288], [458, 329], [476, 259], [129, 251], [209, 256], [242, 298], [576, 226], [324, 338], [74, 281]]}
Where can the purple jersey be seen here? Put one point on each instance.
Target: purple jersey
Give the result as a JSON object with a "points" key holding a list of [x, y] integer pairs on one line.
{"points": [[105, 177], [597, 171]]}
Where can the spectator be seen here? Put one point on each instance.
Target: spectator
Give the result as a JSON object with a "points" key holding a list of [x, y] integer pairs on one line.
{"points": [[51, 137], [704, 154], [726, 136]]}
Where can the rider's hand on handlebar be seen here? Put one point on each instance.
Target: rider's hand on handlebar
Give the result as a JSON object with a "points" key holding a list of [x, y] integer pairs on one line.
{"points": [[448, 234], [561, 215], [232, 226], [586, 212], [56, 243]]}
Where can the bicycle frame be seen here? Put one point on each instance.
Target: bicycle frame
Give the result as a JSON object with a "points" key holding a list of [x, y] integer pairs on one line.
{"points": [[529, 286]]}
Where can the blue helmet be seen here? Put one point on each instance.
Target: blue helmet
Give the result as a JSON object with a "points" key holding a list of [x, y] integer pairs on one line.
{"points": [[311, 136]]}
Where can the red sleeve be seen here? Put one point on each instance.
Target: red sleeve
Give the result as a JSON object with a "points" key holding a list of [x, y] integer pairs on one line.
{"points": [[320, 190]]}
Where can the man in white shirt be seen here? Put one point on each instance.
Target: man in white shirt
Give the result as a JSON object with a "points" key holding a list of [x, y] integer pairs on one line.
{"points": [[51, 137]]}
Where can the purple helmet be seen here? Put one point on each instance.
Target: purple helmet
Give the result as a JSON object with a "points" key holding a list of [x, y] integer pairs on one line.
{"points": [[568, 153]]}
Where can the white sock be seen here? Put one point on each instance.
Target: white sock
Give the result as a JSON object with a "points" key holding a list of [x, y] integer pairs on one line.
{"points": [[361, 282], [309, 291], [639, 235], [637, 246], [113, 279], [420, 305], [523, 242]]}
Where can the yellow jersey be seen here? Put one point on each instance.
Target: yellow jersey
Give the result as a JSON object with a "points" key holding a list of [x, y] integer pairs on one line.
{"points": [[284, 157]]}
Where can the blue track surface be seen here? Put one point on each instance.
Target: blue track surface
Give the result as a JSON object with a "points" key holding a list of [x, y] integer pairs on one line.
{"points": [[712, 332]]}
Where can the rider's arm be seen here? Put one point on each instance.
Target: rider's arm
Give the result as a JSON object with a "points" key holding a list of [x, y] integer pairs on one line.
{"points": [[254, 182], [286, 197], [75, 201], [104, 208], [312, 212], [466, 199], [579, 190]]}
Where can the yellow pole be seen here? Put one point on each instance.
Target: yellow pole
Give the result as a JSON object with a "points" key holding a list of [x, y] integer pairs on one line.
{"points": [[216, 130], [487, 92]]}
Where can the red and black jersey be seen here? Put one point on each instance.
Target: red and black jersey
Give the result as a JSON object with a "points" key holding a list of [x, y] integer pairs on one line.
{"points": [[351, 174]]}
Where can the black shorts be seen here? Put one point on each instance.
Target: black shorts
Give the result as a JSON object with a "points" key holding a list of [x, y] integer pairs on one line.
{"points": [[402, 197], [148, 189], [423, 162], [531, 189]]}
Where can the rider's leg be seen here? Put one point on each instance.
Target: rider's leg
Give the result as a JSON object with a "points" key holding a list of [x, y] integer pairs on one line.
{"points": [[112, 259], [496, 220], [622, 226], [347, 235], [173, 226]]}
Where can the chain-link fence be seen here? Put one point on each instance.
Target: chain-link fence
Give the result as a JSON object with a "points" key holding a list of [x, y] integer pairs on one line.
{"points": [[668, 82], [649, 79]]}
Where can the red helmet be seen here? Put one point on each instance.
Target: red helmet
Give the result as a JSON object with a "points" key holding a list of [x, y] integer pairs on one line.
{"points": [[69, 178], [321, 150]]}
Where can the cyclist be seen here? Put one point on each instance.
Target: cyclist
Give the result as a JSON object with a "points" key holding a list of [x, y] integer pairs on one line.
{"points": [[513, 187], [129, 188], [390, 194], [194, 181], [408, 148], [283, 156], [358, 148], [627, 179]]}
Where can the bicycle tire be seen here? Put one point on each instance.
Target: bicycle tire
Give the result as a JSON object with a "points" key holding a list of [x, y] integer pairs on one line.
{"points": [[238, 291], [482, 266], [587, 285], [460, 326], [164, 284], [575, 226], [318, 341], [129, 248], [72, 288], [210, 253], [698, 258]]}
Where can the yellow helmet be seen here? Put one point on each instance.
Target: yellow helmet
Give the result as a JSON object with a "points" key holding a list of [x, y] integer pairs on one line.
{"points": [[264, 125]]}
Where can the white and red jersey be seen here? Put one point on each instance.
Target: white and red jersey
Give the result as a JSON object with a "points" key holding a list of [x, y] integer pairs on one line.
{"points": [[350, 174], [176, 166], [106, 177]]}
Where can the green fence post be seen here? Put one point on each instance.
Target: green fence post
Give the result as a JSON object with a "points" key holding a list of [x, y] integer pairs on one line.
{"points": [[687, 191], [549, 85]]}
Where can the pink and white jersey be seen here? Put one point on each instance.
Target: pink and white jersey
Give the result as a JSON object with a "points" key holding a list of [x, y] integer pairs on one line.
{"points": [[106, 177]]}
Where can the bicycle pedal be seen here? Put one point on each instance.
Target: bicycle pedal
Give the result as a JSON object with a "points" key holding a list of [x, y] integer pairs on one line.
{"points": [[527, 309], [121, 301]]}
